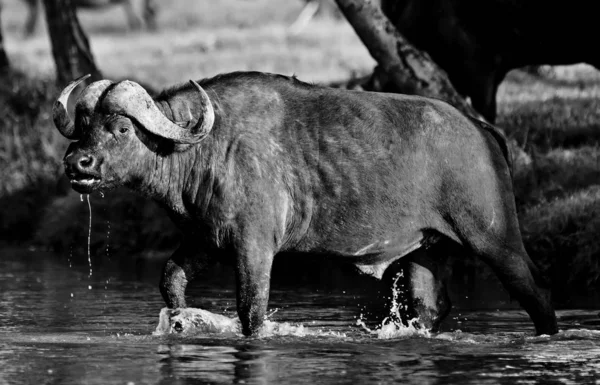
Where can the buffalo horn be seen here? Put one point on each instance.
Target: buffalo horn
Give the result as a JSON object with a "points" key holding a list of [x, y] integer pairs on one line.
{"points": [[60, 114], [87, 100], [130, 99]]}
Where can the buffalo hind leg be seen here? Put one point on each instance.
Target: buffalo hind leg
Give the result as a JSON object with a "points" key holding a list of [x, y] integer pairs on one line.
{"points": [[422, 288], [516, 272]]}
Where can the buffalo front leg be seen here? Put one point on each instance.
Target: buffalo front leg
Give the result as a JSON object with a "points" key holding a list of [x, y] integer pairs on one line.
{"points": [[181, 268], [253, 273]]}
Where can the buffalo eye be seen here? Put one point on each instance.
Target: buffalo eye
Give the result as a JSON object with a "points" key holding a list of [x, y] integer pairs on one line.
{"points": [[123, 129]]}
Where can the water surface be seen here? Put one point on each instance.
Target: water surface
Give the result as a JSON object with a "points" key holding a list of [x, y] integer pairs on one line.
{"points": [[59, 325]]}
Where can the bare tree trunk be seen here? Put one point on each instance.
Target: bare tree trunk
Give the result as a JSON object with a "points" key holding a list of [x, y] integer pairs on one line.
{"points": [[410, 70], [4, 63], [70, 45]]}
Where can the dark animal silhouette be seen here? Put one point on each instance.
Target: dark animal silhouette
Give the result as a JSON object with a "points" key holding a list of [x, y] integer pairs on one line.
{"points": [[478, 42]]}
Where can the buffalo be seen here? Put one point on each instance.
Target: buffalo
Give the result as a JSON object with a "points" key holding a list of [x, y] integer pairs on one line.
{"points": [[251, 165], [478, 42]]}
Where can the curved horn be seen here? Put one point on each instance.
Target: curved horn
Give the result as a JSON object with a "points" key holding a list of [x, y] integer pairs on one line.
{"points": [[60, 114], [88, 98], [132, 100], [208, 112]]}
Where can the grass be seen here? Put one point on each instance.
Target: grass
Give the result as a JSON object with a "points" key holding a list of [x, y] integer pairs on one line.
{"points": [[555, 119]]}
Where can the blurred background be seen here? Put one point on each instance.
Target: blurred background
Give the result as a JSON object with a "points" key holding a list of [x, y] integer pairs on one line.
{"points": [[550, 114]]}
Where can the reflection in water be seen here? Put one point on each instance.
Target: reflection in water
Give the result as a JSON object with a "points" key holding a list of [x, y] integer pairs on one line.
{"points": [[245, 363], [214, 364], [54, 329]]}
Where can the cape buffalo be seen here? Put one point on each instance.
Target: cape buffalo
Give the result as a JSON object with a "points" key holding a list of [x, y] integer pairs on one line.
{"points": [[250, 165]]}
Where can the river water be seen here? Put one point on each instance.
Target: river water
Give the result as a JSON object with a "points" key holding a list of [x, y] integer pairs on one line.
{"points": [[58, 325]]}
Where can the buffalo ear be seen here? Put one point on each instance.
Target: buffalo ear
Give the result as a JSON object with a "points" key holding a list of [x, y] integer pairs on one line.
{"points": [[192, 110]]}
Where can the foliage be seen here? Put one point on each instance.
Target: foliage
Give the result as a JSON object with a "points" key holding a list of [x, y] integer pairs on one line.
{"points": [[561, 235], [30, 153]]}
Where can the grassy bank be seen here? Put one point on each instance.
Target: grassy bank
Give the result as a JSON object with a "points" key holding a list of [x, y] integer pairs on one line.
{"points": [[555, 119]]}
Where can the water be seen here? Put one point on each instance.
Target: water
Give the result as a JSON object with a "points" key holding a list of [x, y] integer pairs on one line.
{"points": [[89, 237], [54, 329]]}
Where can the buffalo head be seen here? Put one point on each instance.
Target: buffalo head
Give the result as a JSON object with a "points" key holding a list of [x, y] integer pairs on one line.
{"points": [[117, 125]]}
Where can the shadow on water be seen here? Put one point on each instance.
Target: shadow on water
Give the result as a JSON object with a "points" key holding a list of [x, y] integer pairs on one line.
{"points": [[59, 325]]}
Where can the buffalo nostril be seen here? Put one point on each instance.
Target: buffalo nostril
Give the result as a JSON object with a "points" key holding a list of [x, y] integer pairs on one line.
{"points": [[86, 162]]}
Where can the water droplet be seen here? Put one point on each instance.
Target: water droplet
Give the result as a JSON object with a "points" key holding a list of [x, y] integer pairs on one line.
{"points": [[81, 197], [108, 239], [101, 194], [71, 295], [89, 287]]}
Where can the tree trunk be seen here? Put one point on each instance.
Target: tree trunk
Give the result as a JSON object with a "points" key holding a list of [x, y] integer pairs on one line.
{"points": [[70, 46], [410, 70], [4, 64]]}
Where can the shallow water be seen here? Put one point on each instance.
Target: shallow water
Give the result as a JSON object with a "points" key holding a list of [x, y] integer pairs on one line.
{"points": [[59, 325]]}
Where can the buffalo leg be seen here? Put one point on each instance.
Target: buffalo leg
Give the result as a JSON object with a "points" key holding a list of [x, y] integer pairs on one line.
{"points": [[483, 94], [516, 272], [135, 21], [33, 9], [429, 298], [180, 269], [422, 288], [150, 11], [493, 235], [253, 273]]}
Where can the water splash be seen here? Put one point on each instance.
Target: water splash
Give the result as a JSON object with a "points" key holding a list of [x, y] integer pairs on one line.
{"points": [[391, 328], [197, 322], [89, 234], [392, 325]]}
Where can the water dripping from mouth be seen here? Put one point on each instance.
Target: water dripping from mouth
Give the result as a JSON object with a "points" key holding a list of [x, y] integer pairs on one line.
{"points": [[89, 234]]}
